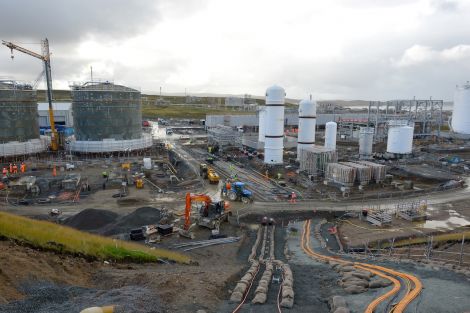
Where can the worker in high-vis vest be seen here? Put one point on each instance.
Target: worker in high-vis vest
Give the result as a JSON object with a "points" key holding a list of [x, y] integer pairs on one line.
{"points": [[15, 168], [11, 168], [5, 172], [23, 167]]}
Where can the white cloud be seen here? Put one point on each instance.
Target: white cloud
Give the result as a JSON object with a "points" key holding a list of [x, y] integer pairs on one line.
{"points": [[418, 55]]}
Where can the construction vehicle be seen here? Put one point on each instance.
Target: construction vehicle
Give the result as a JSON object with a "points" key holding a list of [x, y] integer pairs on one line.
{"points": [[208, 173], [210, 213], [46, 58], [237, 192], [139, 183]]}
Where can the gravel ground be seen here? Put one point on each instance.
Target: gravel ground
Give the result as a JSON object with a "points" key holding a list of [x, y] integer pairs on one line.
{"points": [[50, 298], [444, 291]]}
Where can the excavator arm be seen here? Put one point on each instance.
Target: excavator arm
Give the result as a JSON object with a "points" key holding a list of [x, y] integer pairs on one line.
{"points": [[187, 210]]}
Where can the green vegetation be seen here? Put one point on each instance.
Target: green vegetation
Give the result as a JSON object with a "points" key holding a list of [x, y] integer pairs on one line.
{"points": [[54, 237], [436, 239], [184, 111]]}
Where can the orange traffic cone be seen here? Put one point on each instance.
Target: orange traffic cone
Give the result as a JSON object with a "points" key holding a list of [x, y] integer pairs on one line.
{"points": [[54, 172]]}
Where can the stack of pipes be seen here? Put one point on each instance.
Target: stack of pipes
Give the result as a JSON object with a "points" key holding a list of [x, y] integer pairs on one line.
{"points": [[378, 170], [340, 173], [313, 160], [363, 172]]}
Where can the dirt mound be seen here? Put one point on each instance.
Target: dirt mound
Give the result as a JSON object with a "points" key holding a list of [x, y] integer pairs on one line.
{"points": [[141, 216], [50, 298], [91, 219]]}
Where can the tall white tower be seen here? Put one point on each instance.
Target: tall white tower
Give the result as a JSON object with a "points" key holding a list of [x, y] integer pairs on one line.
{"points": [[274, 125], [330, 135], [307, 123]]}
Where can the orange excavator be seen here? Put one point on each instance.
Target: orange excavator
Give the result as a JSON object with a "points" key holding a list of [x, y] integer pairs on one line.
{"points": [[210, 213]]}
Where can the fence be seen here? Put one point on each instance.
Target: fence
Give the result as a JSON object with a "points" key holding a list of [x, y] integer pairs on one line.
{"points": [[451, 248]]}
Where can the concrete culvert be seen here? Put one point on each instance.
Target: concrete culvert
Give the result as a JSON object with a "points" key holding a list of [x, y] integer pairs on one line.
{"points": [[362, 283], [379, 283], [287, 303], [236, 297], [341, 310], [287, 292], [360, 275], [354, 289], [260, 298], [261, 289], [336, 302], [346, 268]]}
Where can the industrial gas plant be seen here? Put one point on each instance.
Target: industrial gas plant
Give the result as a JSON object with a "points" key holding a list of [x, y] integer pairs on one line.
{"points": [[298, 190]]}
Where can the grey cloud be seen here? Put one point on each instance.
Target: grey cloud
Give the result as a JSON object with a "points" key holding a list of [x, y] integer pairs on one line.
{"points": [[69, 21]]}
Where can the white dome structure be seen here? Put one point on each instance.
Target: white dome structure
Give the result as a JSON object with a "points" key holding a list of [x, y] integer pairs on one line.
{"points": [[274, 125], [307, 123]]}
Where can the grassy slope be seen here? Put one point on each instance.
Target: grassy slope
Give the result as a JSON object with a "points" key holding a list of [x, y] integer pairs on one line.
{"points": [[50, 236], [184, 111], [436, 238]]}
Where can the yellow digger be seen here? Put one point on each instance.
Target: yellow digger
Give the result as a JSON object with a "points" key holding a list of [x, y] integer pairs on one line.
{"points": [[208, 173]]}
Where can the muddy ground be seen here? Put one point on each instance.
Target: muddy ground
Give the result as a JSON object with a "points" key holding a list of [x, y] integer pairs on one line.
{"points": [[56, 283]]}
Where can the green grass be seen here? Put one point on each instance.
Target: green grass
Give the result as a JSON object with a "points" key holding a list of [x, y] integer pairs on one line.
{"points": [[53, 237], [436, 239], [184, 111]]}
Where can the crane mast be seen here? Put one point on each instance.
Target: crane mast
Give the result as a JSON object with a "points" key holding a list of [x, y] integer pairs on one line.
{"points": [[46, 58]]}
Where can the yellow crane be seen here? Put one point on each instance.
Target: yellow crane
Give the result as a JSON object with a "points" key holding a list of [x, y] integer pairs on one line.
{"points": [[46, 58]]}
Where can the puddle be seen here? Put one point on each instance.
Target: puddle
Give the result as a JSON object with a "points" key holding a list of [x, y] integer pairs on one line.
{"points": [[450, 223], [455, 220]]}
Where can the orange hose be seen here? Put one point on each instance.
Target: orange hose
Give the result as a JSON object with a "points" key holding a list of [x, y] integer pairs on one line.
{"points": [[401, 306]]}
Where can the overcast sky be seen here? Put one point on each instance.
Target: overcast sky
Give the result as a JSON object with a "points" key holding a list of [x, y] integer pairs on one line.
{"points": [[335, 49]]}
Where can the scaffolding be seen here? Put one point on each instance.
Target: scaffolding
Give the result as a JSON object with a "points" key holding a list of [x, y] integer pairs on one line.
{"points": [[314, 160], [363, 172], [224, 137], [426, 115]]}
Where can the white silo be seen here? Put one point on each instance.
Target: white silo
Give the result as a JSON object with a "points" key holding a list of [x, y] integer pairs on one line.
{"points": [[261, 123], [400, 139], [307, 123], [330, 135], [366, 139], [274, 125], [461, 110]]}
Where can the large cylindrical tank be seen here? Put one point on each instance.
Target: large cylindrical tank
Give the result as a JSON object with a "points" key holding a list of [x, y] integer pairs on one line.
{"points": [[261, 123], [18, 112], [307, 123], [330, 135], [106, 111], [461, 110], [274, 125], [366, 140], [400, 139]]}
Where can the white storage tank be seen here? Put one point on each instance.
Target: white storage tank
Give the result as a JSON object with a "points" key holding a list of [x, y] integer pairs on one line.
{"points": [[261, 123], [330, 135], [400, 139], [274, 125], [366, 140], [461, 110], [307, 123], [148, 163]]}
